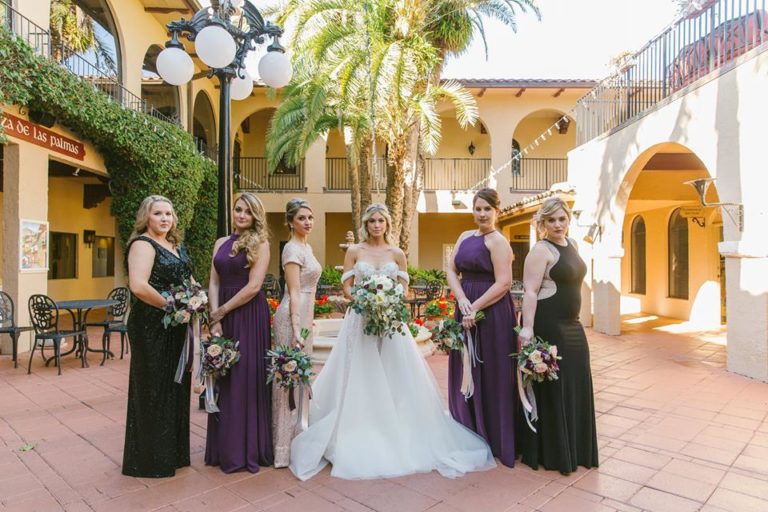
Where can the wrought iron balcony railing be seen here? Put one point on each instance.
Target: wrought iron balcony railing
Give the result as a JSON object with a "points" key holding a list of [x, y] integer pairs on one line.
{"points": [[101, 79], [538, 174], [337, 174], [700, 42], [252, 173]]}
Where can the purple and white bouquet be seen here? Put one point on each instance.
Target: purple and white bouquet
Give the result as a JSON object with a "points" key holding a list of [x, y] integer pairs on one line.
{"points": [[537, 361], [290, 368], [184, 303], [381, 301], [217, 357]]}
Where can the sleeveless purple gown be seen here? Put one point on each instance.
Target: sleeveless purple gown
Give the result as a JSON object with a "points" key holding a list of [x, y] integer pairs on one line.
{"points": [[491, 410], [240, 436]]}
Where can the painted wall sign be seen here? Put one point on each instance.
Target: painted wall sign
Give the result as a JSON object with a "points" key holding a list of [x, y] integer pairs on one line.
{"points": [[36, 134]]}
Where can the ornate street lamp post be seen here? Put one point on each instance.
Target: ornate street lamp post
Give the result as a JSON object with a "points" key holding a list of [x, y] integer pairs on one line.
{"points": [[224, 34]]}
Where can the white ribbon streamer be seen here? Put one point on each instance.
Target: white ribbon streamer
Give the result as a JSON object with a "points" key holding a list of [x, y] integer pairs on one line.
{"points": [[528, 399], [210, 397], [469, 361]]}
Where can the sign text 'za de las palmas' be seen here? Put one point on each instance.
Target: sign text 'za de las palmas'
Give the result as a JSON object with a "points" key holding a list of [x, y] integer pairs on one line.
{"points": [[36, 134]]}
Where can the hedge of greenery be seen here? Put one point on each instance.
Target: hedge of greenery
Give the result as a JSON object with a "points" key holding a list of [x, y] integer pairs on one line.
{"points": [[142, 154]]}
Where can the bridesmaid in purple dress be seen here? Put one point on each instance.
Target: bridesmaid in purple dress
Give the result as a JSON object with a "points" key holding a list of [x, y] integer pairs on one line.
{"points": [[240, 435], [483, 258]]}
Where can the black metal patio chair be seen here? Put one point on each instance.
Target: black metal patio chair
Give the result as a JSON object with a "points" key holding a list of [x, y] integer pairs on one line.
{"points": [[8, 324], [45, 316]]}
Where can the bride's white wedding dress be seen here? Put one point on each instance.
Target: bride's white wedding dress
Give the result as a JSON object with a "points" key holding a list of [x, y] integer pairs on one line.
{"points": [[376, 410]]}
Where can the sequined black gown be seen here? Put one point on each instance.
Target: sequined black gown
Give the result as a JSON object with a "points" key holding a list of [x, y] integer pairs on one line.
{"points": [[157, 425]]}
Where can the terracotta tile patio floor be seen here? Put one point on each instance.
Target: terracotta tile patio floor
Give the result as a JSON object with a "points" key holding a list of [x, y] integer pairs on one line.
{"points": [[677, 432]]}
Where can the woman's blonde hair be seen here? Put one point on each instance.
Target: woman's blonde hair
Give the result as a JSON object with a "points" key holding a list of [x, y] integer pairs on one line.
{"points": [[254, 236], [372, 209], [142, 219], [292, 207], [548, 208]]}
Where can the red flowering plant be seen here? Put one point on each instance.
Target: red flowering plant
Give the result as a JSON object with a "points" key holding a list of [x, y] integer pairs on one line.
{"points": [[415, 326], [440, 307], [323, 306], [273, 305]]}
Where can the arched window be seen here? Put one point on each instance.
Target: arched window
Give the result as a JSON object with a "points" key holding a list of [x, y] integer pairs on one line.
{"points": [[99, 22], [678, 256], [638, 255], [515, 161], [157, 93]]}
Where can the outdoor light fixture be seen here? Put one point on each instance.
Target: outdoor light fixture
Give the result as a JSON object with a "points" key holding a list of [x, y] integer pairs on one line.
{"points": [[224, 34], [702, 185], [593, 233], [471, 148], [89, 236]]}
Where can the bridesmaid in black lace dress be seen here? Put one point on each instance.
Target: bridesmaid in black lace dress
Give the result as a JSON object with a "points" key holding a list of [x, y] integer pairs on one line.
{"points": [[157, 425]]}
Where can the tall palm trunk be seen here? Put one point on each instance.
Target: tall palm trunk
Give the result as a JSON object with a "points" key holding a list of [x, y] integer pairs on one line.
{"points": [[395, 179], [353, 173], [364, 160], [411, 188]]}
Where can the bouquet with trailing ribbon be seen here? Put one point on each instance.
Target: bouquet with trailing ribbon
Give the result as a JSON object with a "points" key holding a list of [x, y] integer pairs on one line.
{"points": [[290, 368], [381, 301], [448, 334], [455, 334], [186, 303], [536, 363], [217, 357]]}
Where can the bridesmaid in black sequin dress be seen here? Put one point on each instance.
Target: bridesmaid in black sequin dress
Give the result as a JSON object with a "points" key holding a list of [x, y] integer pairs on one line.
{"points": [[157, 425]]}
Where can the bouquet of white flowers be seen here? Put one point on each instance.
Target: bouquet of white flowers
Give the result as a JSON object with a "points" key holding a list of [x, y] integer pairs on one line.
{"points": [[381, 301]]}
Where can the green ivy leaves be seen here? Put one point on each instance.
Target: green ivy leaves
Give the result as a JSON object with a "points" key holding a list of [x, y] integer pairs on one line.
{"points": [[143, 155]]}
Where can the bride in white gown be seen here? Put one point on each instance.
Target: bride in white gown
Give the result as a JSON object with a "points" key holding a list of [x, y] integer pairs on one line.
{"points": [[376, 410]]}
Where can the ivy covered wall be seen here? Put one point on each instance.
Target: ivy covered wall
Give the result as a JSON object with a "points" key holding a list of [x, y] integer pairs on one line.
{"points": [[143, 155]]}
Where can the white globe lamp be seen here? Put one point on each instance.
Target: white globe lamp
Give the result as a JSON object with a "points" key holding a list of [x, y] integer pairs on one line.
{"points": [[215, 46], [275, 69], [241, 88], [175, 66]]}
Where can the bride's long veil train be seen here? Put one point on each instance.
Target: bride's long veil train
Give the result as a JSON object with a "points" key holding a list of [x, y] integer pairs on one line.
{"points": [[376, 411]]}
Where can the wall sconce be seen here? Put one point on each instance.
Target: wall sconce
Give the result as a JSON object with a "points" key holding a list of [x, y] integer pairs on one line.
{"points": [[593, 233], [701, 185], [89, 236], [471, 148]]}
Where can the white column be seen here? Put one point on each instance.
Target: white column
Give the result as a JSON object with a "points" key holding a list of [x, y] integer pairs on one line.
{"points": [[413, 249], [314, 168], [746, 268], [25, 196], [606, 282]]}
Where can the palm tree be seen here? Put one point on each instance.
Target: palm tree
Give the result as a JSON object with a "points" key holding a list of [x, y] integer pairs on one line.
{"points": [[373, 64], [450, 26]]}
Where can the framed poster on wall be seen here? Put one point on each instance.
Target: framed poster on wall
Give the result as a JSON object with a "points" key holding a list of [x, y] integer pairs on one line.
{"points": [[33, 246]]}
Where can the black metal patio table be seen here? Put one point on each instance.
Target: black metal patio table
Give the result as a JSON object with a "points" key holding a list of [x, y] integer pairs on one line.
{"points": [[80, 309]]}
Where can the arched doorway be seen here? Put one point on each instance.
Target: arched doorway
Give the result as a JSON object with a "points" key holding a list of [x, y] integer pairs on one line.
{"points": [[163, 96], [546, 164], [204, 125], [671, 264]]}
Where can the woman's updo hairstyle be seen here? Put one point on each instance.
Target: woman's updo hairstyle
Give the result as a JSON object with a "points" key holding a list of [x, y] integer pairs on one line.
{"points": [[488, 195], [292, 207]]}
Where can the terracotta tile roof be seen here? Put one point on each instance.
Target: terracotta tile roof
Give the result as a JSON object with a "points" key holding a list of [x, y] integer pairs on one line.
{"points": [[529, 83]]}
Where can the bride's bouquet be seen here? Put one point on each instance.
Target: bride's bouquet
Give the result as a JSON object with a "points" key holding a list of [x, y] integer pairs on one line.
{"points": [[381, 301], [186, 303], [218, 356]]}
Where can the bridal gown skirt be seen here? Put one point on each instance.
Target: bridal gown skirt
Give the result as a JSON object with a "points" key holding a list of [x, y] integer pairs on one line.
{"points": [[376, 412]]}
